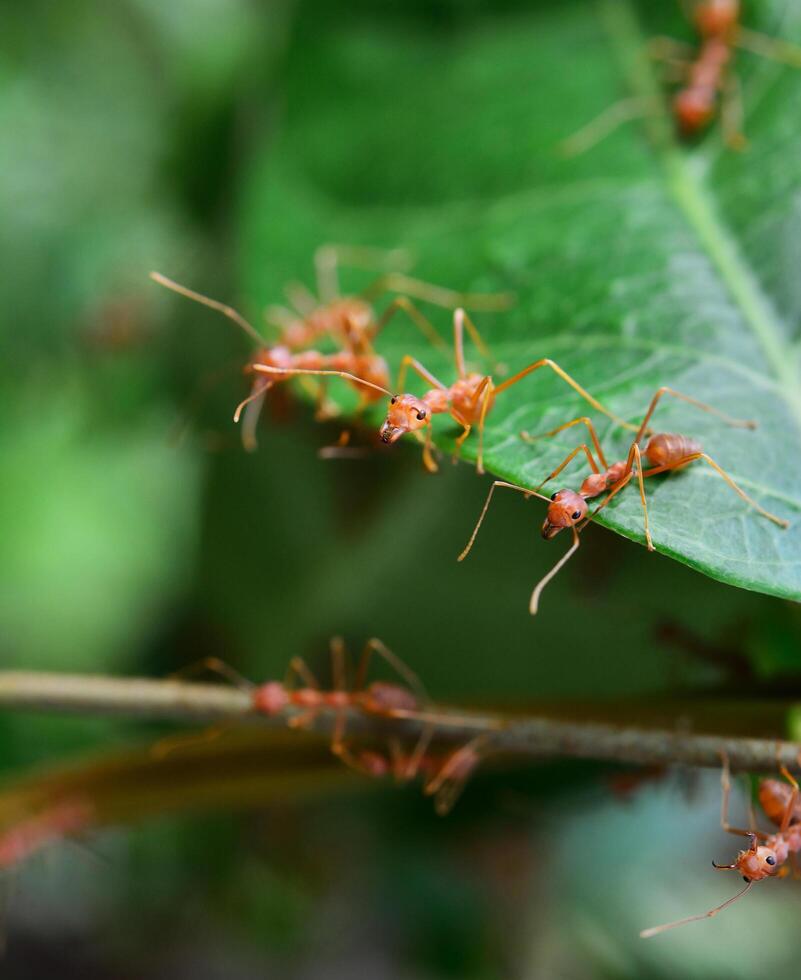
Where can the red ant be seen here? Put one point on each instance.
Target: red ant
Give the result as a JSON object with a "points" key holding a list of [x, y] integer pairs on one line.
{"points": [[468, 400], [445, 775], [348, 320], [664, 451], [32, 834], [766, 854], [703, 76]]}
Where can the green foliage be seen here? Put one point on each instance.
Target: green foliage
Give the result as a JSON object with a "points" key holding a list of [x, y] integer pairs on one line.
{"points": [[636, 264]]}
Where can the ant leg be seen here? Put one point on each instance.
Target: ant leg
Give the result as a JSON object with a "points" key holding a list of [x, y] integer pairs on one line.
{"points": [[214, 665], [299, 668], [428, 459], [377, 647], [485, 508], [768, 47], [213, 304], [446, 785], [791, 802], [462, 321], [638, 459], [664, 390], [485, 404], [410, 362], [338, 660], [328, 258], [731, 114], [571, 456], [527, 437], [725, 787], [605, 123], [547, 362], [721, 472], [437, 295], [534, 602], [422, 322]]}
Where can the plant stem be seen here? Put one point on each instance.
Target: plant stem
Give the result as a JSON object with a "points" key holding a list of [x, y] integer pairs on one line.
{"points": [[532, 735]]}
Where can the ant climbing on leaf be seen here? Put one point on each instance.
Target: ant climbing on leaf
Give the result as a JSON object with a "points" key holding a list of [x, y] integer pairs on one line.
{"points": [[468, 400], [349, 321], [664, 451], [301, 693], [705, 77], [766, 854]]}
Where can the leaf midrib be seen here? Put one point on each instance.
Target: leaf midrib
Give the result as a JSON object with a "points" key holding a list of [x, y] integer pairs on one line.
{"points": [[690, 191]]}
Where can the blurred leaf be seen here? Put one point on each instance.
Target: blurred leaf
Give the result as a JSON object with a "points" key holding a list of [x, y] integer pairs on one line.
{"points": [[637, 264]]}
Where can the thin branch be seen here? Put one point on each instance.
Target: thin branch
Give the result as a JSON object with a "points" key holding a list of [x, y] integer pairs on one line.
{"points": [[540, 737]]}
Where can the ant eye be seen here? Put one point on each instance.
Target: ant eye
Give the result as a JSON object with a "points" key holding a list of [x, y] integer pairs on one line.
{"points": [[575, 515], [421, 416], [771, 860], [393, 399], [554, 495], [746, 878]]}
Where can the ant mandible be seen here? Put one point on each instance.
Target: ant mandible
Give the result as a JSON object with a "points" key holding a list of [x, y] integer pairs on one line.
{"points": [[664, 451], [468, 400], [766, 854]]}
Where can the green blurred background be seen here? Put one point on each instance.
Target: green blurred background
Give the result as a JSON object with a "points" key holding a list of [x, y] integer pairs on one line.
{"points": [[142, 135]]}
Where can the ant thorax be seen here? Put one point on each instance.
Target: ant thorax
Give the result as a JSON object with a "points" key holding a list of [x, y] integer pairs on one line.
{"points": [[463, 397]]}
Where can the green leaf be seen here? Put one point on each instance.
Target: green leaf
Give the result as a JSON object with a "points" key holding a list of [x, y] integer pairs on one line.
{"points": [[637, 264]]}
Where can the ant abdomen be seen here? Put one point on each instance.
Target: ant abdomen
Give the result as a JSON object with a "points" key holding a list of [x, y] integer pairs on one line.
{"points": [[667, 448]]}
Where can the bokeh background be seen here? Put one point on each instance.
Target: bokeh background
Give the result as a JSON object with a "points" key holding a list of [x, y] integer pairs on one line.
{"points": [[142, 135]]}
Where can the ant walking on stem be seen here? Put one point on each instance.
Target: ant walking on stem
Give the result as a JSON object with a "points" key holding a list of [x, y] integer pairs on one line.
{"points": [[444, 773], [766, 854], [468, 400], [350, 321], [665, 452]]}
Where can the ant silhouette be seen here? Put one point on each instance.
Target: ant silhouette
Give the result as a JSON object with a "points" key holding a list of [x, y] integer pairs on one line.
{"points": [[704, 77], [664, 451], [468, 400], [766, 854], [349, 321]]}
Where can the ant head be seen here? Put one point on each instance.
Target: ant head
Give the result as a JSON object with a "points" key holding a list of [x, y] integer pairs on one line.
{"points": [[270, 698], [406, 413], [566, 509], [717, 18], [694, 110], [753, 864]]}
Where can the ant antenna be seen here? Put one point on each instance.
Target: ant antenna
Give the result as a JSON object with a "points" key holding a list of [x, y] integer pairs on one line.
{"points": [[213, 304], [655, 930], [535, 595], [289, 372]]}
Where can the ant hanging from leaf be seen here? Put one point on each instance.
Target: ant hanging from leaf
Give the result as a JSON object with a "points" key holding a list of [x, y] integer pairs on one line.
{"points": [[664, 451], [349, 321], [705, 76], [445, 774], [468, 400], [766, 854]]}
